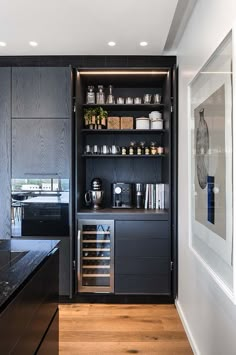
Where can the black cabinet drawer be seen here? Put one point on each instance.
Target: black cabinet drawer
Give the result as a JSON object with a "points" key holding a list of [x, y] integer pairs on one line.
{"points": [[145, 247], [142, 284], [142, 266], [141, 229]]}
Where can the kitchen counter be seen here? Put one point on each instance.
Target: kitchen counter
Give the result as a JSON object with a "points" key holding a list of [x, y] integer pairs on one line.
{"points": [[18, 260]]}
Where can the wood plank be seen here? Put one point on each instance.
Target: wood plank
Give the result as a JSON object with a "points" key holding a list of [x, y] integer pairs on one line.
{"points": [[121, 329], [115, 348], [103, 336]]}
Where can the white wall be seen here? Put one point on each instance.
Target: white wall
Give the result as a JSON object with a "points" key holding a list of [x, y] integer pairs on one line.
{"points": [[210, 316]]}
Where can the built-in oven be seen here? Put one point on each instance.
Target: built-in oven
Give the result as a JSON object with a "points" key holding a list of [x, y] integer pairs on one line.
{"points": [[45, 219]]}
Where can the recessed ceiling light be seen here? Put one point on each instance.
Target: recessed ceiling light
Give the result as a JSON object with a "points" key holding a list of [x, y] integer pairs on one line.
{"points": [[3, 44], [33, 44], [143, 44], [111, 44]]}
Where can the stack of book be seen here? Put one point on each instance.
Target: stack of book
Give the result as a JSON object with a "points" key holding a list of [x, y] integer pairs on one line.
{"points": [[154, 196]]}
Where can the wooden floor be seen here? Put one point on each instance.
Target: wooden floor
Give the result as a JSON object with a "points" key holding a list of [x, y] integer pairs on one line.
{"points": [[121, 329]]}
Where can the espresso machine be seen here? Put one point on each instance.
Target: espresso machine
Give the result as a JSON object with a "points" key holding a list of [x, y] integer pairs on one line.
{"points": [[93, 197]]}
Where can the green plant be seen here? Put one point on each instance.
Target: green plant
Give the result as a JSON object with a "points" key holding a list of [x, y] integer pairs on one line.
{"points": [[88, 114], [101, 113]]}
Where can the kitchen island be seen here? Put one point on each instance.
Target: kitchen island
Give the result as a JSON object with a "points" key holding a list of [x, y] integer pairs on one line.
{"points": [[28, 296]]}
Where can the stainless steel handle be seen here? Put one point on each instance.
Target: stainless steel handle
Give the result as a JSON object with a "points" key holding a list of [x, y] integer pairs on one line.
{"points": [[78, 255], [41, 174]]}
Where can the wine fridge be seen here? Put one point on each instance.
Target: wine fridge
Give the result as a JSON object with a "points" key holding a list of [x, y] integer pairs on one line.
{"points": [[96, 256]]}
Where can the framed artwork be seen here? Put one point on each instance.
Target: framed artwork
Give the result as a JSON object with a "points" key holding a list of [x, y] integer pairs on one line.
{"points": [[211, 111]]}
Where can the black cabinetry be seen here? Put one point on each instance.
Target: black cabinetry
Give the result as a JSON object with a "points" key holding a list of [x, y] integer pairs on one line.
{"points": [[41, 122], [27, 318], [142, 257], [40, 148], [143, 243], [40, 92], [5, 152]]}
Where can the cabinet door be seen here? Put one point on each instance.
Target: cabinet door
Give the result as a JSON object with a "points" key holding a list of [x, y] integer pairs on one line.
{"points": [[5, 149], [40, 148], [142, 257], [41, 92]]}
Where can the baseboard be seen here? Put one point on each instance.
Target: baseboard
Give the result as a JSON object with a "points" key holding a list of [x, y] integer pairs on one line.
{"points": [[187, 328]]}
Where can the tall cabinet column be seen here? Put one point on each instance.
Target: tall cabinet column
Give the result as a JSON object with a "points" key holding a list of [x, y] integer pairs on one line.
{"points": [[5, 153]]}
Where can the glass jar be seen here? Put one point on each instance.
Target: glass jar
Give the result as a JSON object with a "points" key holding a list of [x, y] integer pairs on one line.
{"points": [[123, 150], [110, 97], [100, 96], [132, 149], [147, 150], [90, 95], [153, 148], [160, 150], [139, 149]]}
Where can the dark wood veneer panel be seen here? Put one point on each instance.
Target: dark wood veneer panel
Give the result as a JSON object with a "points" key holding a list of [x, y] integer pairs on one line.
{"points": [[142, 266], [145, 284], [145, 247], [130, 230], [40, 147], [41, 92], [5, 153]]}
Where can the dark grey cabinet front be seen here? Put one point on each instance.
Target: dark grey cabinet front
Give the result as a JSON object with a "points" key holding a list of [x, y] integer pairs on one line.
{"points": [[40, 148], [41, 92], [142, 257], [5, 149]]}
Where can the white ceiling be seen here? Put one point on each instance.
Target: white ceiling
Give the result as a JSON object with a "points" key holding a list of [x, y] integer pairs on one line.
{"points": [[73, 27]]}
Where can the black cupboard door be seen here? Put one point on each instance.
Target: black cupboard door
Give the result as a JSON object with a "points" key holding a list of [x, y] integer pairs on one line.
{"points": [[41, 148], [5, 149], [41, 92], [142, 257]]}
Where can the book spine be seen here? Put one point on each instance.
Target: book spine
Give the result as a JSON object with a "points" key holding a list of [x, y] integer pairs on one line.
{"points": [[146, 196]]}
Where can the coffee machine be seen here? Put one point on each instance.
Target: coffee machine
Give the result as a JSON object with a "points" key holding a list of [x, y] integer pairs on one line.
{"points": [[94, 197], [121, 195]]}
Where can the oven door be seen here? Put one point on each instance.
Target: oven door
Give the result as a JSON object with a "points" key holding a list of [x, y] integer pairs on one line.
{"points": [[45, 219]]}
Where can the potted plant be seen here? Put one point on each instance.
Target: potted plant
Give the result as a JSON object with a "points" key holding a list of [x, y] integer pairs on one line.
{"points": [[101, 117]]}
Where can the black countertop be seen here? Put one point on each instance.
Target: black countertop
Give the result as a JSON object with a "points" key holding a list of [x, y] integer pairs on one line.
{"points": [[18, 260]]}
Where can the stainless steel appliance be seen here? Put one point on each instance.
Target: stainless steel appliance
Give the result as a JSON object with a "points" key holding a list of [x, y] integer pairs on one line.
{"points": [[94, 196], [121, 195], [95, 256]]}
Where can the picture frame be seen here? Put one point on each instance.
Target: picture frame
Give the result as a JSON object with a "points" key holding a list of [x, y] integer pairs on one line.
{"points": [[211, 173]]}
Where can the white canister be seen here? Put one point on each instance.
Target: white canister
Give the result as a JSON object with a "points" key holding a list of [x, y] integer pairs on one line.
{"points": [[142, 123], [157, 123], [156, 120], [155, 115]]}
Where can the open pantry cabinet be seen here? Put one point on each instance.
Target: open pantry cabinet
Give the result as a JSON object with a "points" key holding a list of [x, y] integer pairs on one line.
{"points": [[146, 169]]}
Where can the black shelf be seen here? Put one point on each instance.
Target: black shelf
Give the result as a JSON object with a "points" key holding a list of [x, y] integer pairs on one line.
{"points": [[123, 107], [96, 156], [121, 131]]}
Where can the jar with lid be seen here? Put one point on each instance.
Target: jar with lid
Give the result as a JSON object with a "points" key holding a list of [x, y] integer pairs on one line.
{"points": [[153, 148], [100, 96], [132, 148], [123, 150], [139, 149], [160, 150], [147, 150], [90, 95]]}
